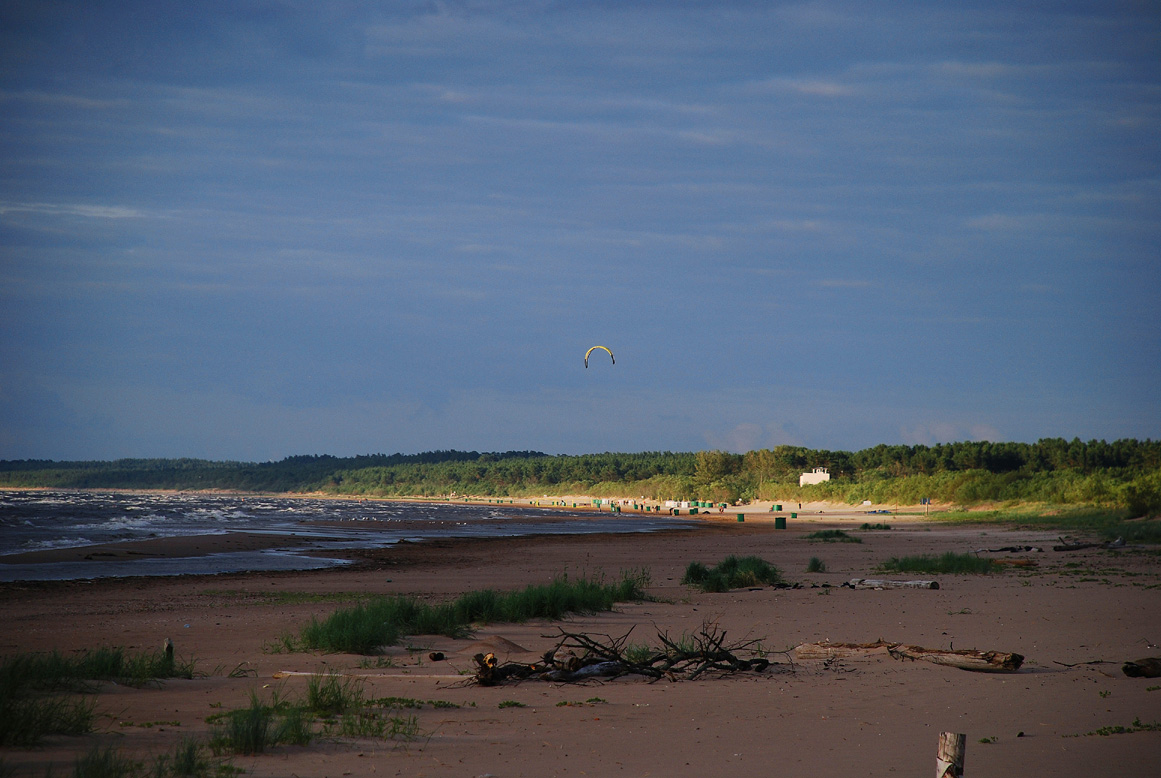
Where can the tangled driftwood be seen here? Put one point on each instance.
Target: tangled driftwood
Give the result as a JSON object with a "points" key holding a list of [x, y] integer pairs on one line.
{"points": [[580, 657]]}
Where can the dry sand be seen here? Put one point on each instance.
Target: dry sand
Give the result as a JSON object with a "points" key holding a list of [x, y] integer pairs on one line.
{"points": [[867, 717]]}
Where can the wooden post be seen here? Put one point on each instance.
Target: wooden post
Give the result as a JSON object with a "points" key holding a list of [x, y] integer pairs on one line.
{"points": [[949, 758]]}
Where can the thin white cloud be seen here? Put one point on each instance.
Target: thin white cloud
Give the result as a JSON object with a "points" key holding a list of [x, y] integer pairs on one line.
{"points": [[57, 98], [845, 283], [615, 130], [439, 32], [997, 222], [975, 69], [813, 87], [720, 138], [798, 225], [73, 209]]}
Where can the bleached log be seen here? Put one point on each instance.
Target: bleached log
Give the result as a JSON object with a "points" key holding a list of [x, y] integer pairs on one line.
{"points": [[828, 651], [872, 583], [977, 661]]}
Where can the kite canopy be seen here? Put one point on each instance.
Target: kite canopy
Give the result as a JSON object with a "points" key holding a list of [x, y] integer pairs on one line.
{"points": [[594, 348]]}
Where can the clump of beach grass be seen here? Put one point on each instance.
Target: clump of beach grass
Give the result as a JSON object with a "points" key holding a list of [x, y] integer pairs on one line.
{"points": [[100, 762], [54, 671], [332, 694], [366, 627], [333, 706], [815, 565], [948, 563], [253, 729], [190, 759], [733, 572], [376, 724], [833, 536], [26, 720], [38, 690]]}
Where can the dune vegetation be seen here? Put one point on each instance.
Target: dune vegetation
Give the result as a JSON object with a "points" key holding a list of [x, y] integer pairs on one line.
{"points": [[1122, 476]]}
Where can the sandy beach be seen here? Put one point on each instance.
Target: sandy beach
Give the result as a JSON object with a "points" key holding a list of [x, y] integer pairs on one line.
{"points": [[1075, 616]]}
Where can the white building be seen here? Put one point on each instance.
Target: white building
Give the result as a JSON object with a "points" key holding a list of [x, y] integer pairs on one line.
{"points": [[815, 476]]}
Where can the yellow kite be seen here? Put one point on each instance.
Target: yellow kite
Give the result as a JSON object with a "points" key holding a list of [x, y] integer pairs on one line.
{"points": [[594, 348]]}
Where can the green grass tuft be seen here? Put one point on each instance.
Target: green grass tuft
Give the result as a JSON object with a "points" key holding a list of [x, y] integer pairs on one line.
{"points": [[833, 536], [53, 671], [376, 724], [260, 726], [34, 689], [190, 759], [26, 720], [332, 695], [105, 763], [383, 621], [638, 653], [332, 707], [411, 702], [815, 565], [732, 573], [1136, 726], [949, 563]]}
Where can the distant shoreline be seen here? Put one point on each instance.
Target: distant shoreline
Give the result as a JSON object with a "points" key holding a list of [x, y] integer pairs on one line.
{"points": [[757, 507]]}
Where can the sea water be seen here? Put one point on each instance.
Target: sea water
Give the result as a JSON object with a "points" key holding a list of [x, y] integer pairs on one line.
{"points": [[38, 520]]}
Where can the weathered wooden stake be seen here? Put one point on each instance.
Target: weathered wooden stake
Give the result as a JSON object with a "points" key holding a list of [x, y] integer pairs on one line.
{"points": [[949, 758]]}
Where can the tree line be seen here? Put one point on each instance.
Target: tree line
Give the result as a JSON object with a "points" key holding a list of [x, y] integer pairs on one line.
{"points": [[1123, 472]]}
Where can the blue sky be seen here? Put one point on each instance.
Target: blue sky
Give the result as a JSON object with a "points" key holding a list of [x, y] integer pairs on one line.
{"points": [[248, 230]]}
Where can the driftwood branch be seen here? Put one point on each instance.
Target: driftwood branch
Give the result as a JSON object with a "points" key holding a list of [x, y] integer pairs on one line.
{"points": [[1009, 549], [1066, 546]]}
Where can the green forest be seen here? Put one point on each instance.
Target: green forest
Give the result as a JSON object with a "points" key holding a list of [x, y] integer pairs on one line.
{"points": [[1123, 474]]}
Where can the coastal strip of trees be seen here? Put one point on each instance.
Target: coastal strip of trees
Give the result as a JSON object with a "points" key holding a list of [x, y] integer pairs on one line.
{"points": [[1123, 473]]}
